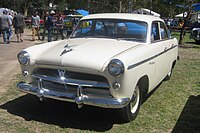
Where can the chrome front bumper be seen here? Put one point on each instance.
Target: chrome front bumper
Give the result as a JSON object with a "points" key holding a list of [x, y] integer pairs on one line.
{"points": [[78, 98]]}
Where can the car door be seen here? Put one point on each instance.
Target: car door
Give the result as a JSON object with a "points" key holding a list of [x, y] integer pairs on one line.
{"points": [[159, 46], [169, 46]]}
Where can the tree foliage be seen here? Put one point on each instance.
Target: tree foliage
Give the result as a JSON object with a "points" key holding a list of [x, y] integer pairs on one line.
{"points": [[167, 8]]}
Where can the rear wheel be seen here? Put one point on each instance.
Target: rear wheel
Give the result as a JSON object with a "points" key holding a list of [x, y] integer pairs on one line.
{"points": [[168, 76], [130, 112]]}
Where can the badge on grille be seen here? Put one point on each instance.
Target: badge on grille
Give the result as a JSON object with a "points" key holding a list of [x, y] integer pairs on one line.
{"points": [[61, 74]]}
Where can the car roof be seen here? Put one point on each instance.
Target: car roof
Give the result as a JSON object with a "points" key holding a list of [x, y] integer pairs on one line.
{"points": [[127, 16]]}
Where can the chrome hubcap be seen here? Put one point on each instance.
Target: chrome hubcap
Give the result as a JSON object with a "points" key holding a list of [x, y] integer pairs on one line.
{"points": [[170, 72]]}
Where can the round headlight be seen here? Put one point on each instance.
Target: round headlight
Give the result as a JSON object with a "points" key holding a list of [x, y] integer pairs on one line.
{"points": [[116, 67], [24, 58]]}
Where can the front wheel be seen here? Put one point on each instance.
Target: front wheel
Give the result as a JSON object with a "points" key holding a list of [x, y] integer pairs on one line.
{"points": [[129, 112]]}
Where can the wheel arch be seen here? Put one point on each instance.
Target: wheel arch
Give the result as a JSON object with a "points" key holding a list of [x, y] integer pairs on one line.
{"points": [[173, 64], [143, 84]]}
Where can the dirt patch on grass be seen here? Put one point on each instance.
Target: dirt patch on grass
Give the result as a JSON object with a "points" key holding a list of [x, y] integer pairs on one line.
{"points": [[8, 69]]}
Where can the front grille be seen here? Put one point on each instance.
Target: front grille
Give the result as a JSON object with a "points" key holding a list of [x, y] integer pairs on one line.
{"points": [[71, 75], [67, 81]]}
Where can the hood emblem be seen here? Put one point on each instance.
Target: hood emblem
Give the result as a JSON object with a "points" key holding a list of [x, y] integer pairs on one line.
{"points": [[66, 49]]}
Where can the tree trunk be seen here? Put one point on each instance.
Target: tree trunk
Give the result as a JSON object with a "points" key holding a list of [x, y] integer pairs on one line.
{"points": [[186, 19], [26, 7], [120, 6], [25, 12], [182, 34]]}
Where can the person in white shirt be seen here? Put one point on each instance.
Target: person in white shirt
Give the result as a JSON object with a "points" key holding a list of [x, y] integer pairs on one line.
{"points": [[35, 26], [10, 25]]}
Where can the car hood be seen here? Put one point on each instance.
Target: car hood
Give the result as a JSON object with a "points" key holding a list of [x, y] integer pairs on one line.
{"points": [[81, 53]]}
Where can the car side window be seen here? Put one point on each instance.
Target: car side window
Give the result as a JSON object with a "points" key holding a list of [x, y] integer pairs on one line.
{"points": [[163, 31], [99, 28], [155, 32]]}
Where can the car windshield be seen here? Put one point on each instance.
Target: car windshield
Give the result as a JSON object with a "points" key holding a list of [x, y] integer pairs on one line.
{"points": [[111, 28]]}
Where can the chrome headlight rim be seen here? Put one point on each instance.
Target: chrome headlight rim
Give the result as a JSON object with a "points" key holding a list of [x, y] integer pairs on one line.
{"points": [[116, 67], [23, 57]]}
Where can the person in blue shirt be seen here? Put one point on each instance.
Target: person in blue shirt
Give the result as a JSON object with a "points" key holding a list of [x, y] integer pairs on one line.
{"points": [[49, 25]]}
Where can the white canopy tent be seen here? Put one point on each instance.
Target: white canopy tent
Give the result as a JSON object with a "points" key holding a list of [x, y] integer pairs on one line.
{"points": [[2, 9], [195, 16], [146, 11], [181, 15]]}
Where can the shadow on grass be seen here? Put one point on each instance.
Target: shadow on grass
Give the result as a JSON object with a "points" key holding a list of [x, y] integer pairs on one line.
{"points": [[191, 43], [189, 120], [63, 114], [145, 98]]}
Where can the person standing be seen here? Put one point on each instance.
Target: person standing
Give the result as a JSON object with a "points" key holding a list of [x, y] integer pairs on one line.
{"points": [[19, 23], [10, 26], [4, 26], [45, 23], [59, 23], [35, 20], [49, 25]]}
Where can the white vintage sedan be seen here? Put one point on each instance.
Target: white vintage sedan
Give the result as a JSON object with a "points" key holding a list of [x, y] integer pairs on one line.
{"points": [[109, 61]]}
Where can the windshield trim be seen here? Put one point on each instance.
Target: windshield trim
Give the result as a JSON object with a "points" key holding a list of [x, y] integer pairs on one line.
{"points": [[104, 19]]}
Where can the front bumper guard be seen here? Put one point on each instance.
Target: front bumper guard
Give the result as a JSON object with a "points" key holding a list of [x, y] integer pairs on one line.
{"points": [[78, 98]]}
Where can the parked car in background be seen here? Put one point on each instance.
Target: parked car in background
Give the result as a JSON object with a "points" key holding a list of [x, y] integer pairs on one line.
{"points": [[110, 60], [70, 21], [195, 34], [28, 21]]}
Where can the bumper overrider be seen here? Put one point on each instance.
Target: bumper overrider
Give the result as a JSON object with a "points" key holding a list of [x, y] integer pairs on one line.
{"points": [[78, 98]]}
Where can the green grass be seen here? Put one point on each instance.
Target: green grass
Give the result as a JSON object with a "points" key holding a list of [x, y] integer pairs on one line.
{"points": [[173, 107]]}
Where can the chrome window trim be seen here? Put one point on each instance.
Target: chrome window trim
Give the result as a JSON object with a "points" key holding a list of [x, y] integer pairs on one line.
{"points": [[148, 59]]}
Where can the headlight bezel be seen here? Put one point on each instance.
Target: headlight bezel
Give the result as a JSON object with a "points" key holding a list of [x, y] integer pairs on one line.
{"points": [[23, 57], [116, 67]]}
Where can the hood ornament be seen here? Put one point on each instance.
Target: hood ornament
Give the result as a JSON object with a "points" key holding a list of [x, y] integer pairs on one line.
{"points": [[66, 49]]}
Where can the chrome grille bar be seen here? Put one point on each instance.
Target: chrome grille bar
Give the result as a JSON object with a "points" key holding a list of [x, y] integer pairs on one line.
{"points": [[69, 81]]}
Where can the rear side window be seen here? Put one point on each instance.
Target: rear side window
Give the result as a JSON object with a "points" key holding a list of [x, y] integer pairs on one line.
{"points": [[155, 32], [159, 31], [163, 31]]}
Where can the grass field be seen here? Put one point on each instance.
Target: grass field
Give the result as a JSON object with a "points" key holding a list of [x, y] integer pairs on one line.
{"points": [[173, 107]]}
